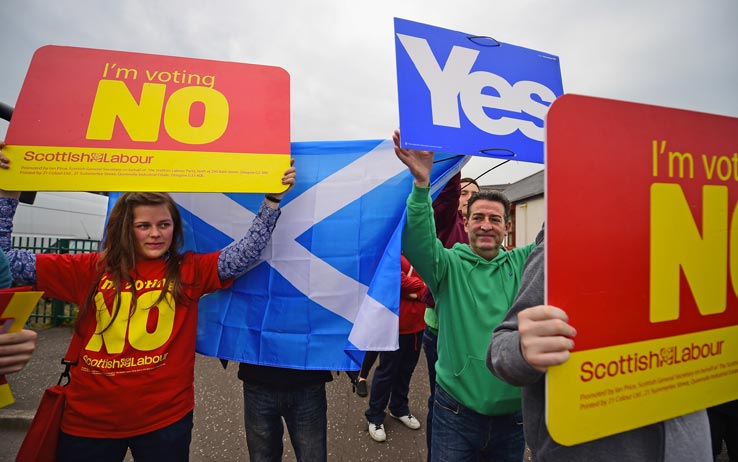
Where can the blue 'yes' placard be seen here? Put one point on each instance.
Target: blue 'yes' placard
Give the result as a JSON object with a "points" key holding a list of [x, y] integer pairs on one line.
{"points": [[466, 94]]}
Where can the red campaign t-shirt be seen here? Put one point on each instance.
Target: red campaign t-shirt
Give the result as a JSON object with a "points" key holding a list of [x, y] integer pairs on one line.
{"points": [[138, 375]]}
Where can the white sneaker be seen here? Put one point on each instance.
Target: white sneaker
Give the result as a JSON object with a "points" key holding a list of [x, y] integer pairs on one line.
{"points": [[409, 420], [377, 432]]}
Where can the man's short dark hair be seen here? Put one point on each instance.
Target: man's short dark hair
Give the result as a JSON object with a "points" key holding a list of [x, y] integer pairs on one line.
{"points": [[493, 195]]}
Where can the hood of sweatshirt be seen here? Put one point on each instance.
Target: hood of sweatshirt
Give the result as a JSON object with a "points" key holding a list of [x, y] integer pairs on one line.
{"points": [[466, 253]]}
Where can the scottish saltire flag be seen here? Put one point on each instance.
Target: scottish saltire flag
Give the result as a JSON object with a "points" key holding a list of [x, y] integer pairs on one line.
{"points": [[327, 287]]}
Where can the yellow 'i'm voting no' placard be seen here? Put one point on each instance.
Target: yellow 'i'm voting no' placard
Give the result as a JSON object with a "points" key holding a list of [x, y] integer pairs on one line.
{"points": [[642, 254], [16, 306]]}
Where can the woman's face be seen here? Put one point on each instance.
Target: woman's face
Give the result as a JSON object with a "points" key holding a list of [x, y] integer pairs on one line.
{"points": [[153, 228]]}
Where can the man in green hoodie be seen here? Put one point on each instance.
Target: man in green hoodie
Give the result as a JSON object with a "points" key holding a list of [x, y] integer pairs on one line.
{"points": [[476, 416]]}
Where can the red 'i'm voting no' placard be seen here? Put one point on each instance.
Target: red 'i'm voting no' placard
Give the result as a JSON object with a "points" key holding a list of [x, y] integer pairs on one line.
{"points": [[642, 253], [101, 120]]}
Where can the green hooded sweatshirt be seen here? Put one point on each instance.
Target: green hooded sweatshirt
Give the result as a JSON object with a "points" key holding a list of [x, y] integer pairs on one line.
{"points": [[472, 297]]}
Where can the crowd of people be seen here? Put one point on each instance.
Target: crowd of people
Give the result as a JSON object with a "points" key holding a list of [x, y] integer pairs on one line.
{"points": [[474, 306]]}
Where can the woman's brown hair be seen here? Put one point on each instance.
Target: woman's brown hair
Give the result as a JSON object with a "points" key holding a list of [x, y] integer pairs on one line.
{"points": [[118, 255]]}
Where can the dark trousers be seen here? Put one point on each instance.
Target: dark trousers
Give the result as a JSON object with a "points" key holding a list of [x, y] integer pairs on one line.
{"points": [[430, 346], [366, 366], [168, 444], [391, 382], [370, 357], [724, 427]]}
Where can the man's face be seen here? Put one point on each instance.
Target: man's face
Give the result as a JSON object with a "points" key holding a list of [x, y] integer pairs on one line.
{"points": [[486, 228], [467, 189]]}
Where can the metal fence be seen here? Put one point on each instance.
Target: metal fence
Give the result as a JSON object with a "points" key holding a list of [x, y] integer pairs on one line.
{"points": [[51, 312]]}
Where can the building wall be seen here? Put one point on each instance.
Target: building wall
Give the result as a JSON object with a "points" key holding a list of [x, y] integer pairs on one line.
{"points": [[62, 215], [529, 216]]}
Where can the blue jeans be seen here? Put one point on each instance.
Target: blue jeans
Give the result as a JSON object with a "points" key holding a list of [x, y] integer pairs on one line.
{"points": [[460, 434], [303, 409], [430, 346], [168, 444]]}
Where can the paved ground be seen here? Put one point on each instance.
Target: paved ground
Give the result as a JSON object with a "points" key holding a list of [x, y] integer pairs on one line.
{"points": [[218, 434]]}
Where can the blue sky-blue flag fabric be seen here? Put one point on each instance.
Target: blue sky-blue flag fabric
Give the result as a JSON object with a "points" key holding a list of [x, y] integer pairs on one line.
{"points": [[327, 287]]}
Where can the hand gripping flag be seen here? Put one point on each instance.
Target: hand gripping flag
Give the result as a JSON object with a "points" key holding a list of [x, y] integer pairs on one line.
{"points": [[327, 287]]}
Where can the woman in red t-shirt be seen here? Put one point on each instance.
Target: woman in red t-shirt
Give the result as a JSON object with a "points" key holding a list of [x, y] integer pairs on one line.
{"points": [[133, 384]]}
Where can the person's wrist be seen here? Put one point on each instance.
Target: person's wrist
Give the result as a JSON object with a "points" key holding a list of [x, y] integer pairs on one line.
{"points": [[273, 198], [10, 194]]}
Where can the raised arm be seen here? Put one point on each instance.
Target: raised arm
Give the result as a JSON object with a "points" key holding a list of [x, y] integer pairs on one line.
{"points": [[22, 262], [8, 204], [419, 163], [419, 242], [235, 259]]}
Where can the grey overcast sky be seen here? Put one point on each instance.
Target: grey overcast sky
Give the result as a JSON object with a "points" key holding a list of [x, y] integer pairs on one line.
{"points": [[340, 54]]}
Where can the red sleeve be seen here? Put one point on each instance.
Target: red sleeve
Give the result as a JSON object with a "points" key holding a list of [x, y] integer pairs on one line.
{"points": [[67, 277], [205, 266], [411, 284]]}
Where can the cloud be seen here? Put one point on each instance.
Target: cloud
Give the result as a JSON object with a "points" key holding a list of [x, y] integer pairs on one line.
{"points": [[341, 56]]}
